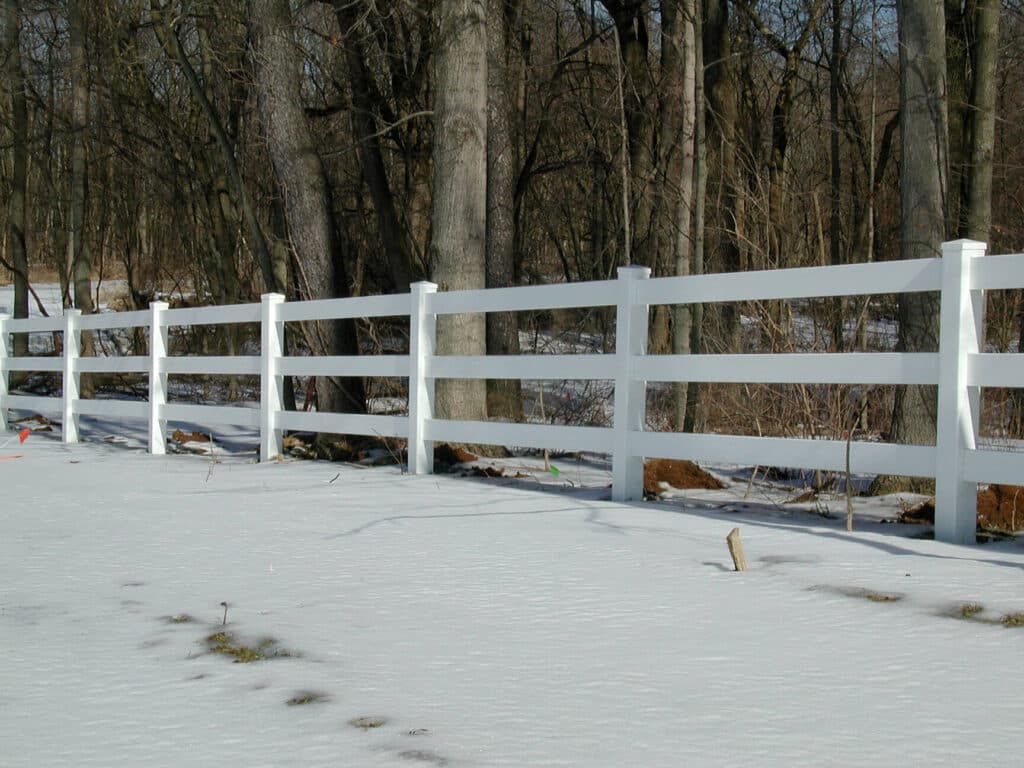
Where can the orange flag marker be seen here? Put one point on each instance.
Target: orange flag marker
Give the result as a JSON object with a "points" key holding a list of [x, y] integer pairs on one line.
{"points": [[23, 435]]}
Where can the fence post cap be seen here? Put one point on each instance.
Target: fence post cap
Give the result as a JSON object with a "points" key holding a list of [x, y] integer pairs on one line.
{"points": [[272, 297], [964, 244], [634, 272], [424, 285], [72, 312]]}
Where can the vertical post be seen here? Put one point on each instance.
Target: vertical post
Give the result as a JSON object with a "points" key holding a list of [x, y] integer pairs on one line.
{"points": [[72, 378], [157, 378], [422, 335], [960, 330], [3, 371], [630, 394], [271, 380]]}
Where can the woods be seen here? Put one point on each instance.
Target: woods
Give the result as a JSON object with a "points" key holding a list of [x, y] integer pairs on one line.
{"points": [[214, 151]]}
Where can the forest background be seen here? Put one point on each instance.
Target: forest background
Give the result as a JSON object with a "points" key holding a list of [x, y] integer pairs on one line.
{"points": [[214, 150]]}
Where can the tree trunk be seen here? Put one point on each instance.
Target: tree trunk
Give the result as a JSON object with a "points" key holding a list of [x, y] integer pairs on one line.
{"points": [[504, 397], [14, 78], [678, 121], [923, 194], [982, 120], [958, 19], [631, 19], [308, 203], [692, 416], [720, 89], [836, 169], [458, 209], [79, 263]]}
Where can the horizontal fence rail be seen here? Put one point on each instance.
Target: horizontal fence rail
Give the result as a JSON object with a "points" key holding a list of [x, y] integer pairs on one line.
{"points": [[959, 369]]}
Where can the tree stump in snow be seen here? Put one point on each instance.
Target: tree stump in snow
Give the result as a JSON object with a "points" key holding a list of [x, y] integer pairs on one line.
{"points": [[736, 549]]}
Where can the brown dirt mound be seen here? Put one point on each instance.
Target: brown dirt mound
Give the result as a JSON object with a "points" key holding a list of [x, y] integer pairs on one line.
{"points": [[678, 474], [1000, 508], [189, 437], [449, 455]]}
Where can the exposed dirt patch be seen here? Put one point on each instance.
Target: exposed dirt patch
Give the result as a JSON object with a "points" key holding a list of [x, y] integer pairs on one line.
{"points": [[1000, 508], [446, 455], [36, 422], [859, 592], [226, 643], [178, 436], [307, 697], [368, 722], [677, 474]]}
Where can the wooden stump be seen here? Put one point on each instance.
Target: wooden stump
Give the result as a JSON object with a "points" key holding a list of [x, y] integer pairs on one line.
{"points": [[736, 549]]}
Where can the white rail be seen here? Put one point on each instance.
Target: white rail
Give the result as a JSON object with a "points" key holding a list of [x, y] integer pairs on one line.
{"points": [[959, 369]]}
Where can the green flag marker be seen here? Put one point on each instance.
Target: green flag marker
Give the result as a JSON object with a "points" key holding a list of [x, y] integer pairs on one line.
{"points": [[553, 470]]}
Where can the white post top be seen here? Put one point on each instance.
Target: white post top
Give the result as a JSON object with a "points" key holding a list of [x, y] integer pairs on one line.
{"points": [[424, 285], [972, 246], [272, 297], [634, 272]]}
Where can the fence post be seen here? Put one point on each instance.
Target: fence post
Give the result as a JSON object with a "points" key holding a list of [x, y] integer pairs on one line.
{"points": [[3, 371], [422, 335], [157, 378], [72, 378], [960, 334], [271, 380], [630, 394]]}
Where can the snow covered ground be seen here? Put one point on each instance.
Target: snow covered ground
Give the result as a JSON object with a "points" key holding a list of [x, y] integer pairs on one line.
{"points": [[449, 621]]}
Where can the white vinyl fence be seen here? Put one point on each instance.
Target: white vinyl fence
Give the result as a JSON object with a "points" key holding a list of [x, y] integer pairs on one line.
{"points": [[959, 369]]}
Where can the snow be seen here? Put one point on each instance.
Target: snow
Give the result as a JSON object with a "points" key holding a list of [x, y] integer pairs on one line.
{"points": [[479, 622]]}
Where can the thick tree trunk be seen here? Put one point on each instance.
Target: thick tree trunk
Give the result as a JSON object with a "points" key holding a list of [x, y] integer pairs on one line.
{"points": [[720, 89], [459, 210], [308, 204], [17, 217], [923, 196], [504, 397], [678, 123], [982, 120]]}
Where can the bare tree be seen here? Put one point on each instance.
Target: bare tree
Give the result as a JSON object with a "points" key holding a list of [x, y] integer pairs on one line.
{"points": [[459, 212], [78, 262], [504, 398], [985, 54], [14, 79], [308, 201], [924, 186], [723, 116]]}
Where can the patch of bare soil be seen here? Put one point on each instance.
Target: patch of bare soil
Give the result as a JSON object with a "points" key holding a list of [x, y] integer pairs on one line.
{"points": [[450, 455], [189, 437], [677, 474], [1000, 508]]}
